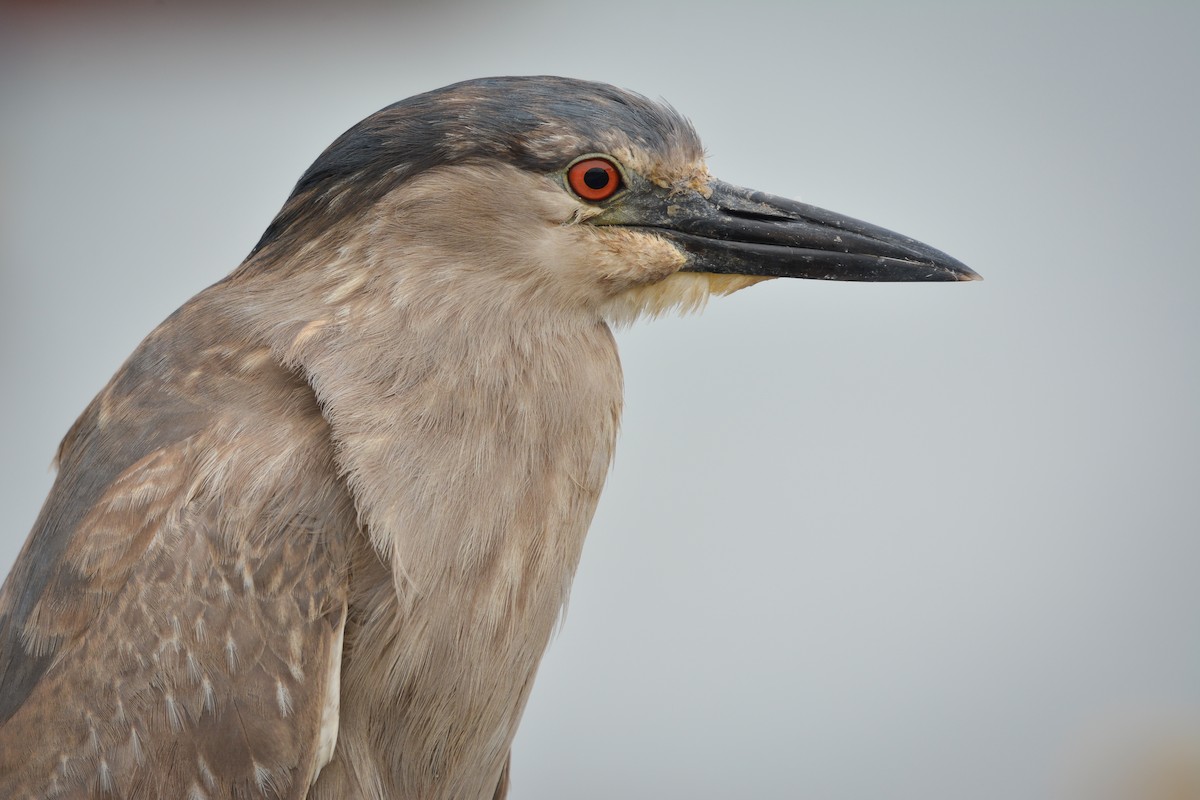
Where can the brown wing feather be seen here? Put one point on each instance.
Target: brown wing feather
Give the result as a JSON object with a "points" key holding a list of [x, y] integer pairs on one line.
{"points": [[167, 630], [92, 456]]}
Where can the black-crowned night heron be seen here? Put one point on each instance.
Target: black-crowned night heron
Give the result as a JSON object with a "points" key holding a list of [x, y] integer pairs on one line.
{"points": [[312, 539]]}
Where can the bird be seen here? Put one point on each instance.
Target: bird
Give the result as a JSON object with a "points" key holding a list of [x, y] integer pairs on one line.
{"points": [[314, 536]]}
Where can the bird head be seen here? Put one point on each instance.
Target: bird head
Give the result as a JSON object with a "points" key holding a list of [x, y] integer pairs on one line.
{"points": [[523, 189]]}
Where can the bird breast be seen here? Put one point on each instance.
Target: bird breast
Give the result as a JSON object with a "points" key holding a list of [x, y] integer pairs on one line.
{"points": [[476, 454]]}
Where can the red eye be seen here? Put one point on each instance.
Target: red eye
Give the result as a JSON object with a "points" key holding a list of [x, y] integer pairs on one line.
{"points": [[594, 179]]}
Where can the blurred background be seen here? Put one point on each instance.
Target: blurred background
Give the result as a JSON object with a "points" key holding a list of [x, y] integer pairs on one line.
{"points": [[904, 541]]}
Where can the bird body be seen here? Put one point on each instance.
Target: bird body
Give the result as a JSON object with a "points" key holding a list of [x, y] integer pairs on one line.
{"points": [[314, 536]]}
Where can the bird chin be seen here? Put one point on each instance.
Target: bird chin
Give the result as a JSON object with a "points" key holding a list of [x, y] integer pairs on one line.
{"points": [[682, 293]]}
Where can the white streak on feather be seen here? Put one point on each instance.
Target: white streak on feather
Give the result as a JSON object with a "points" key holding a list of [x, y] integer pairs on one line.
{"points": [[206, 774], [231, 657], [327, 731], [283, 698], [174, 713], [262, 778], [106, 778], [295, 654], [208, 698], [193, 668], [136, 752]]}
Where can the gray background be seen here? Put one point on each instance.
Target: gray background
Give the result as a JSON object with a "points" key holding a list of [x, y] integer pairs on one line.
{"points": [[860, 541]]}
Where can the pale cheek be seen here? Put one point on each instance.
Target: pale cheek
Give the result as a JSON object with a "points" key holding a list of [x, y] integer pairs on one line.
{"points": [[598, 263], [625, 259], [683, 292]]}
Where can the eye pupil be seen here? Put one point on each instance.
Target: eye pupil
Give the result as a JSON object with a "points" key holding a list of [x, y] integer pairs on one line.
{"points": [[596, 178]]}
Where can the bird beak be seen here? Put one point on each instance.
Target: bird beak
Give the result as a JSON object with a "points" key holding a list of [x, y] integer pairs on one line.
{"points": [[744, 232]]}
